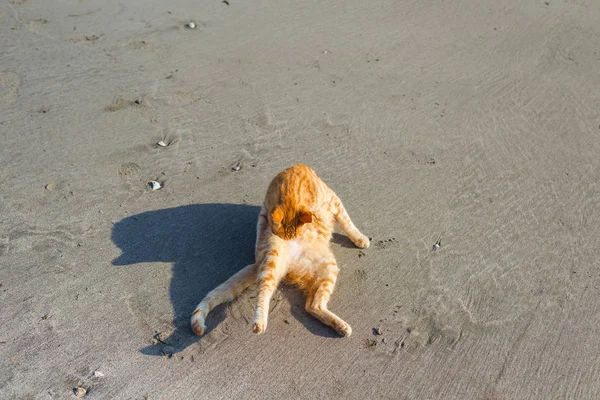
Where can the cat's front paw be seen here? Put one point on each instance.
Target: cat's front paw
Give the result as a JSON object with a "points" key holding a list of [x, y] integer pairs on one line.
{"points": [[259, 327], [361, 241]]}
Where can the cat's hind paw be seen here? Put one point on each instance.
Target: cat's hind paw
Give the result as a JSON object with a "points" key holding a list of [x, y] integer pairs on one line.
{"points": [[344, 330], [259, 327], [197, 322], [198, 327]]}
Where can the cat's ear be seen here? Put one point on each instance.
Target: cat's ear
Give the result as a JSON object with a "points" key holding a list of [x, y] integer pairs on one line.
{"points": [[277, 215], [305, 217]]}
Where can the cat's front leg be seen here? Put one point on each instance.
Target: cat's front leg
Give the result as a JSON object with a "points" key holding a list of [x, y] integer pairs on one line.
{"points": [[342, 217], [270, 273]]}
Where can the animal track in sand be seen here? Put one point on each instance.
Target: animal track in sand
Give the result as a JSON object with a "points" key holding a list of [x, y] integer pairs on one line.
{"points": [[384, 244], [128, 169], [119, 103], [360, 275], [339, 131], [38, 22], [265, 133], [24, 239], [437, 318], [140, 44], [86, 38]]}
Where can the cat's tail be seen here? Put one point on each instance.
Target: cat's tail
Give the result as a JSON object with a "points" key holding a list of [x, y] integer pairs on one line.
{"points": [[223, 293]]}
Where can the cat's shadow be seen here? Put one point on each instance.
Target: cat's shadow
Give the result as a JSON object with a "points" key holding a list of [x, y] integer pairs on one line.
{"points": [[343, 241], [207, 243]]}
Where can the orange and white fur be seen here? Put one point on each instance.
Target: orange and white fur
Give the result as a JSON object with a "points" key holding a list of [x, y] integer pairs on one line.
{"points": [[292, 244]]}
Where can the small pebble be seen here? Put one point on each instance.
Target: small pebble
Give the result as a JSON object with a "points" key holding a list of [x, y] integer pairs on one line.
{"points": [[161, 143], [156, 338], [154, 185], [79, 392], [98, 374], [190, 25], [377, 331]]}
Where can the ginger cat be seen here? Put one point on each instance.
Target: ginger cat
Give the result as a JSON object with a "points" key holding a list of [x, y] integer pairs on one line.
{"points": [[292, 244]]}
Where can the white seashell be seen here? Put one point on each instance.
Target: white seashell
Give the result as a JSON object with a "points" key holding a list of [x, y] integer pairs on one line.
{"points": [[237, 166], [190, 25], [98, 374], [161, 143], [155, 185]]}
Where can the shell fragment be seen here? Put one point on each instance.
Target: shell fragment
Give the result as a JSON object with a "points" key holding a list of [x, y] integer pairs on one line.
{"points": [[79, 392], [155, 185]]}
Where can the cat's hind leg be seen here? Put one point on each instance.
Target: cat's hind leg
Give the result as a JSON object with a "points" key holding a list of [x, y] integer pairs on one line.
{"points": [[270, 273], [318, 297], [342, 217], [227, 291]]}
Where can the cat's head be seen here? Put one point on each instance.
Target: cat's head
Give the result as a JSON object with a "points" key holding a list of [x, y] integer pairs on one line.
{"points": [[287, 224]]}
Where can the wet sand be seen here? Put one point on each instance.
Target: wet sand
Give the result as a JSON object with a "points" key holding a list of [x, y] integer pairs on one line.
{"points": [[476, 123]]}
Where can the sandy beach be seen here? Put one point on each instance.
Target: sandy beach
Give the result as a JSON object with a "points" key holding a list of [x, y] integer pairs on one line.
{"points": [[476, 123]]}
